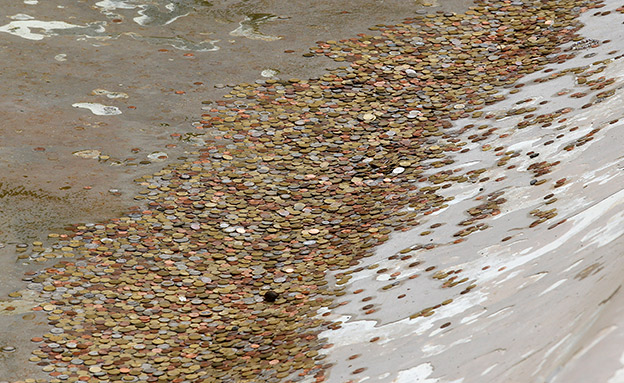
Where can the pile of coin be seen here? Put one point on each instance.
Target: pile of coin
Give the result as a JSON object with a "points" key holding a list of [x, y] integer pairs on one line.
{"points": [[218, 276]]}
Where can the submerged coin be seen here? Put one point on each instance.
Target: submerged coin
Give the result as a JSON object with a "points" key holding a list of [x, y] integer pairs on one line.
{"points": [[296, 180]]}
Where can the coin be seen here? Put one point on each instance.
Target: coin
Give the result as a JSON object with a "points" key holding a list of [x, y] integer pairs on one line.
{"points": [[222, 268]]}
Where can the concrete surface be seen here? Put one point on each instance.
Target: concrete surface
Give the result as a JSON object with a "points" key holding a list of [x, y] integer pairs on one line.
{"points": [[547, 306]]}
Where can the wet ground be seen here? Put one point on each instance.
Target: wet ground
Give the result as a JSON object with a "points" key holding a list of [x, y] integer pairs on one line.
{"points": [[98, 95], [152, 66], [152, 74]]}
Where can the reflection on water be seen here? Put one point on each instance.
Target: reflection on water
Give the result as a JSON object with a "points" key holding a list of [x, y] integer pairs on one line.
{"points": [[92, 30], [249, 27], [178, 43], [24, 28], [149, 13], [152, 14]]}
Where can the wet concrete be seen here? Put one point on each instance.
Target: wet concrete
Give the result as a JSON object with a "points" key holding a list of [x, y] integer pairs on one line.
{"points": [[548, 305], [162, 85], [549, 309], [91, 89]]}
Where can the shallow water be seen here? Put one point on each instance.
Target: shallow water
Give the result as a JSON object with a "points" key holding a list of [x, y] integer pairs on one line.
{"points": [[117, 94], [98, 94]]}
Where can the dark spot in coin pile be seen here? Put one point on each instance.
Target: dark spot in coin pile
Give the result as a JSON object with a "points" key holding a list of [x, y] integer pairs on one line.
{"points": [[270, 296], [220, 273]]}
